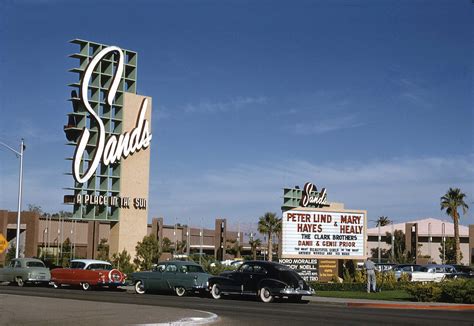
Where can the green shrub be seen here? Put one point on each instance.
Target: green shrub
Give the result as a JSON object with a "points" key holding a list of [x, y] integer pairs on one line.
{"points": [[360, 276], [424, 292], [458, 291], [404, 278], [346, 276]]}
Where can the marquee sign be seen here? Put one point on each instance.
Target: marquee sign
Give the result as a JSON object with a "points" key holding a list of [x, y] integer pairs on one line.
{"points": [[323, 234], [311, 196], [114, 148]]}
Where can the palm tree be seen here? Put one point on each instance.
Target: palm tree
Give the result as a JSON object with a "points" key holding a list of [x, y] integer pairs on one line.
{"points": [[269, 224], [254, 244], [450, 202], [383, 220]]}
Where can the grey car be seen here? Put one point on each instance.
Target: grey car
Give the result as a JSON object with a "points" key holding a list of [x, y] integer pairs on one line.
{"points": [[180, 277], [25, 270]]}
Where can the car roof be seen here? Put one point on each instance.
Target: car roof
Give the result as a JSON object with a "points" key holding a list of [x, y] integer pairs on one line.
{"points": [[27, 259], [90, 261], [438, 265], [178, 262]]}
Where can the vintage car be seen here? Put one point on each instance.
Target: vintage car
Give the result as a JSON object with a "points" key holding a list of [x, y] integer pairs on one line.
{"points": [[180, 277], [266, 280], [25, 270], [88, 273], [462, 272], [402, 269], [432, 273]]}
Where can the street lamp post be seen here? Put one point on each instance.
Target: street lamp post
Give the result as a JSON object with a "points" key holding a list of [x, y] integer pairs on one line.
{"points": [[378, 251], [443, 231], [20, 182]]}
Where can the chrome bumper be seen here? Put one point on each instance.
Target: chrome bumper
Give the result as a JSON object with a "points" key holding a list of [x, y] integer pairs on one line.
{"points": [[291, 291]]}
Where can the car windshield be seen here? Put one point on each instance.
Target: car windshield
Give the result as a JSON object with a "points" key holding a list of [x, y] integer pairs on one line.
{"points": [[78, 265], [34, 264]]}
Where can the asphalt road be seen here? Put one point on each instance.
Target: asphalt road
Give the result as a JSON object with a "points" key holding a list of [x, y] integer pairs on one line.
{"points": [[238, 311]]}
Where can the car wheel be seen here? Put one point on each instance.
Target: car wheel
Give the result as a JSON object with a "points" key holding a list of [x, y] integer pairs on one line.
{"points": [[19, 282], [216, 291], [180, 291], [265, 295], [85, 286], [55, 285], [139, 287]]}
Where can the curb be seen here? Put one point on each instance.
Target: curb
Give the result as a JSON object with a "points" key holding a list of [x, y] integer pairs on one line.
{"points": [[409, 306]]}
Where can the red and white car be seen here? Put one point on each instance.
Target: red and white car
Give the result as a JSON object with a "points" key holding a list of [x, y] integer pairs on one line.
{"points": [[88, 273]]}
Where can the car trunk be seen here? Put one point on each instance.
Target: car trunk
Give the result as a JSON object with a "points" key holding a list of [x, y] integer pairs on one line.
{"points": [[294, 279]]}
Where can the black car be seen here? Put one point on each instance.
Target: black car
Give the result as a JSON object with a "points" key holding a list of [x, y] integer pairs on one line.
{"points": [[266, 280], [461, 271]]}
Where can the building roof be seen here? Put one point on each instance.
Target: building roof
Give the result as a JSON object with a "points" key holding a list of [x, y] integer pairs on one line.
{"points": [[427, 226]]}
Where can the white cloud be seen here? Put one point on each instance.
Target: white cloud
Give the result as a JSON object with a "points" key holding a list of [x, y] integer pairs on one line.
{"points": [[326, 125], [402, 188], [218, 107]]}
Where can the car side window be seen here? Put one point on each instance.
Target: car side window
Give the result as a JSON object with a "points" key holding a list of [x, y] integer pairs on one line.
{"points": [[259, 269], [183, 269], [246, 268], [160, 268], [407, 269], [17, 264], [171, 268], [12, 264]]}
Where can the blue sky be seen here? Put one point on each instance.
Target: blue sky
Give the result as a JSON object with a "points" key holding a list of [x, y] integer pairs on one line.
{"points": [[371, 99]]}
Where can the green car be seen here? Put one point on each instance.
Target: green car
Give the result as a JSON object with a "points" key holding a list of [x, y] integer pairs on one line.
{"points": [[180, 277], [25, 270]]}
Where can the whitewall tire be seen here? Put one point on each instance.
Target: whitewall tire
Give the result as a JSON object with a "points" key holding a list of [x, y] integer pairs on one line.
{"points": [[265, 295], [216, 291], [180, 291], [19, 282], [139, 287], [85, 286]]}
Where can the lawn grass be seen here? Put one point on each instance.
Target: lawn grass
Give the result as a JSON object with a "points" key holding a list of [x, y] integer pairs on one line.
{"points": [[394, 295]]}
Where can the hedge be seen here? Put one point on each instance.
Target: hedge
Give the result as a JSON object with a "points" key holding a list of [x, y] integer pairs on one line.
{"points": [[454, 291]]}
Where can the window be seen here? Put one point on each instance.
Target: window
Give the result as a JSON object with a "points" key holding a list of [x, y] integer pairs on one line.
{"points": [[34, 264], [259, 269], [246, 268], [194, 269], [160, 268], [12, 264], [106, 267], [171, 268], [17, 264], [78, 265], [183, 269]]}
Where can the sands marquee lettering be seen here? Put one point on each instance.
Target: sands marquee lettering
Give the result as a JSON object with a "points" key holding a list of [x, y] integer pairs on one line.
{"points": [[318, 200], [114, 148]]}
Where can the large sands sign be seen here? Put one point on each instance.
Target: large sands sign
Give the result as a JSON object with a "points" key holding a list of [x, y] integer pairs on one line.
{"points": [[324, 233]]}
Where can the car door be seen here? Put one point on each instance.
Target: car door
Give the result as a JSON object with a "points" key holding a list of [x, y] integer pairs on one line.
{"points": [[170, 277], [17, 271], [154, 282], [251, 283]]}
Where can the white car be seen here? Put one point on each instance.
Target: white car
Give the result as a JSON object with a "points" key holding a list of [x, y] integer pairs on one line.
{"points": [[432, 273]]}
